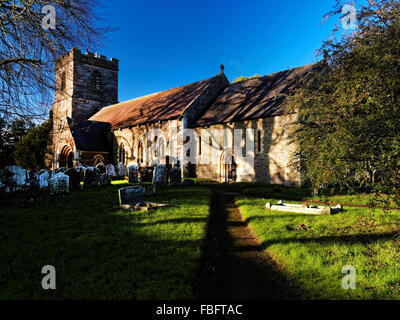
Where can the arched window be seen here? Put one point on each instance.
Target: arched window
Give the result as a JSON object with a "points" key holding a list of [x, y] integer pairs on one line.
{"points": [[96, 80], [122, 154], [140, 152]]}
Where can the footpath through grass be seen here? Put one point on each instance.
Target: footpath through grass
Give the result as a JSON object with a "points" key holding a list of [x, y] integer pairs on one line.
{"points": [[100, 251], [314, 249]]}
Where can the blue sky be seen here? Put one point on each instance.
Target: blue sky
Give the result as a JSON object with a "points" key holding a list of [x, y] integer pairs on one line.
{"points": [[167, 43]]}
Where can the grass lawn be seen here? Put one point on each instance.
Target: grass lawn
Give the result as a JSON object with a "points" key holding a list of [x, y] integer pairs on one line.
{"points": [[100, 251], [282, 193], [314, 249]]}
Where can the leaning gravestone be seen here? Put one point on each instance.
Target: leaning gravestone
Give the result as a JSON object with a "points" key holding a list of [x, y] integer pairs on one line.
{"points": [[160, 175], [104, 180], [130, 196], [91, 178], [44, 179], [111, 170], [19, 178], [74, 177], [133, 174], [175, 176], [81, 170], [121, 170], [59, 183]]}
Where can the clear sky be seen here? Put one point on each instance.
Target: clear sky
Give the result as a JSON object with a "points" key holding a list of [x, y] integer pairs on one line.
{"points": [[163, 44]]}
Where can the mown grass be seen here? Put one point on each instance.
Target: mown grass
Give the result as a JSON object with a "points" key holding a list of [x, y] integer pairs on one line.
{"points": [[100, 251], [305, 194], [314, 249]]}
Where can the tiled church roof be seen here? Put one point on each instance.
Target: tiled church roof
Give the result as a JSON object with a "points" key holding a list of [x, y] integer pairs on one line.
{"points": [[161, 106], [252, 99]]}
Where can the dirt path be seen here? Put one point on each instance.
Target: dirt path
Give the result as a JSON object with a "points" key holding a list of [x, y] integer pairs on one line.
{"points": [[234, 264]]}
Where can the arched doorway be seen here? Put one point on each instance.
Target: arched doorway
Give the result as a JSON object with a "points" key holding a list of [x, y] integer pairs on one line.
{"points": [[228, 167], [66, 157]]}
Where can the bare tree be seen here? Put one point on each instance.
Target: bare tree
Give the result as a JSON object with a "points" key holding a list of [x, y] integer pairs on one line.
{"points": [[30, 41]]}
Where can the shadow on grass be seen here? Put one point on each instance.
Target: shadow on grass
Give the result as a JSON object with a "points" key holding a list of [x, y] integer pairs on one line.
{"points": [[234, 265], [342, 239], [99, 251]]}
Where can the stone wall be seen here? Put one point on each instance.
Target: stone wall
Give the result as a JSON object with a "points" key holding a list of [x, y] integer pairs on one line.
{"points": [[169, 131], [272, 154]]}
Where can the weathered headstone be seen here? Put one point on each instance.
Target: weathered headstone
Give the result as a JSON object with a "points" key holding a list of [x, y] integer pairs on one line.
{"points": [[62, 169], [81, 170], [44, 179], [130, 196], [91, 178], [175, 176], [111, 170], [19, 178], [104, 180], [121, 170], [146, 175], [133, 174], [160, 175], [59, 183], [74, 177], [101, 167]]}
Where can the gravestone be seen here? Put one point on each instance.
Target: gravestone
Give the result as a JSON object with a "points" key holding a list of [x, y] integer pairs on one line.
{"points": [[59, 183], [81, 170], [19, 179], [175, 177], [101, 167], [133, 174], [160, 175], [111, 170], [44, 179], [91, 178], [121, 170], [130, 196], [146, 175], [74, 177], [104, 180], [62, 169]]}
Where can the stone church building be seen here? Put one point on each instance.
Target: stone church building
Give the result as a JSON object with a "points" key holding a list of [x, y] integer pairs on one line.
{"points": [[212, 128]]}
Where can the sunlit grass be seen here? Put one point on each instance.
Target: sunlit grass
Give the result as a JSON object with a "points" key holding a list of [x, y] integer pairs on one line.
{"points": [[314, 249]]}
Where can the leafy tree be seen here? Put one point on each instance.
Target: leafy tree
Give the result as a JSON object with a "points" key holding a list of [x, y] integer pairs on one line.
{"points": [[348, 124], [10, 134], [30, 150]]}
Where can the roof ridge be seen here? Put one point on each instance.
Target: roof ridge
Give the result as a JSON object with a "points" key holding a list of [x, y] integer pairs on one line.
{"points": [[158, 92], [273, 74]]}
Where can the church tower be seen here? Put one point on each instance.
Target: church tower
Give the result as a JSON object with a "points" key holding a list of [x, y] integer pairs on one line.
{"points": [[84, 84]]}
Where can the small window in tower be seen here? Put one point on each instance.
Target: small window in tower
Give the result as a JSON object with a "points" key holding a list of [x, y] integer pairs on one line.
{"points": [[63, 80], [96, 80], [259, 141]]}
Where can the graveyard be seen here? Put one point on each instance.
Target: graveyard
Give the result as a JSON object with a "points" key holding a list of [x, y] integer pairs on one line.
{"points": [[79, 222]]}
